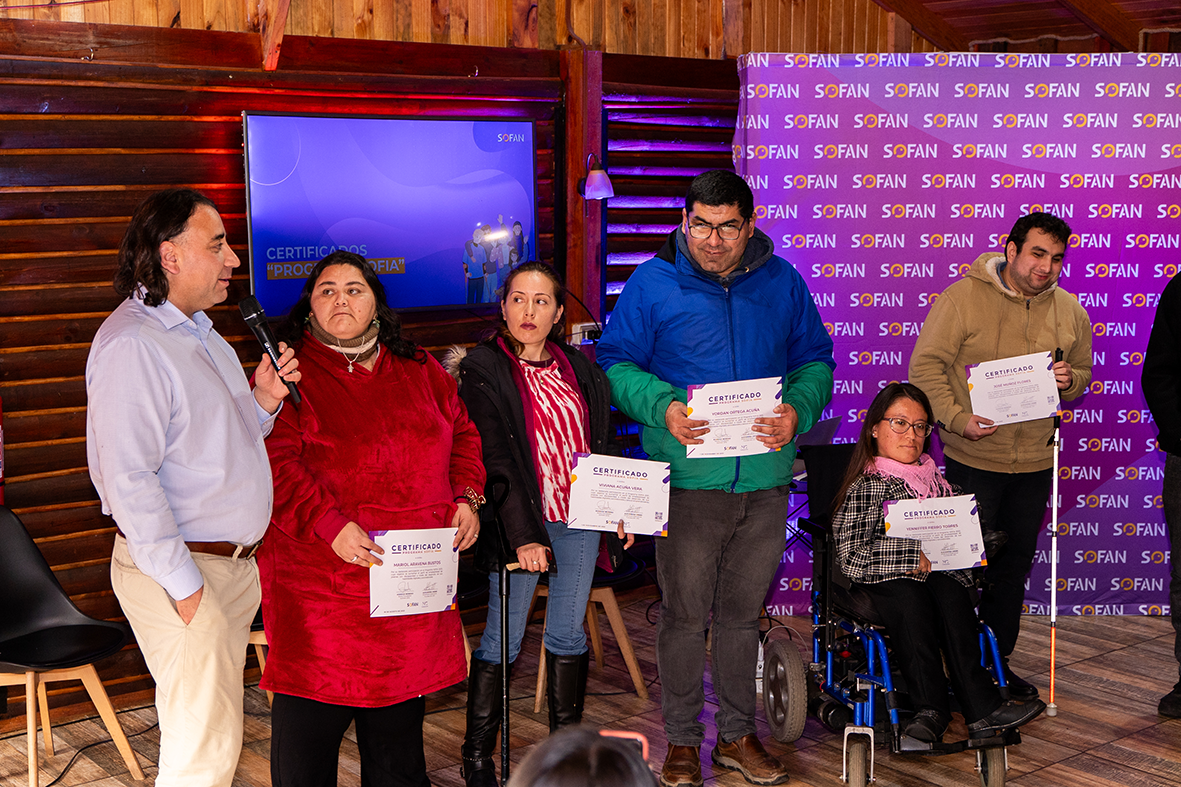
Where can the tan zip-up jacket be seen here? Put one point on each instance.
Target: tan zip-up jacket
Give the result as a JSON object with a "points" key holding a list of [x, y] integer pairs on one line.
{"points": [[978, 319]]}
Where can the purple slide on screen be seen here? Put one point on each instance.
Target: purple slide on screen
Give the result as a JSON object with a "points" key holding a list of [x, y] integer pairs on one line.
{"points": [[442, 208]]}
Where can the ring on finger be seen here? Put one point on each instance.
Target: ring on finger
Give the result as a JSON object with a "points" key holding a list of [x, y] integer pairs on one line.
{"points": [[354, 560]]}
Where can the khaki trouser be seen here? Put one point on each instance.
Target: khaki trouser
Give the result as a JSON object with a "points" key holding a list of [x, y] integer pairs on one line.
{"points": [[197, 668]]}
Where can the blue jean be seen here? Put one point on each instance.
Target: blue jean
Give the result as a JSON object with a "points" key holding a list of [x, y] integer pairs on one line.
{"points": [[1014, 503], [1171, 494], [719, 558], [575, 552]]}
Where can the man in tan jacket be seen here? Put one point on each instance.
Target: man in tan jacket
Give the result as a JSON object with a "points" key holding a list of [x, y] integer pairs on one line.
{"points": [[1008, 305]]}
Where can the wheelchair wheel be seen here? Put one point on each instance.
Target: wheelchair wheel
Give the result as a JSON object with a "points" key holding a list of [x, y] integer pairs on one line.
{"points": [[992, 766], [858, 765], [785, 690]]}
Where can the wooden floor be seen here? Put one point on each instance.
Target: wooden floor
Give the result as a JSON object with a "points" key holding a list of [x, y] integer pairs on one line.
{"points": [[1111, 672]]}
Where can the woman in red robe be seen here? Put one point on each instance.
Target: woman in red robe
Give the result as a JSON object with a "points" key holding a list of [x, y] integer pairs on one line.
{"points": [[381, 441]]}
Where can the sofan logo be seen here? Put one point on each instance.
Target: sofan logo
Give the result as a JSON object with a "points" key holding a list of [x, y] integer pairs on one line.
{"points": [[838, 270], [810, 241], [1108, 556], [767, 152], [1063, 210], [1090, 120], [980, 90], [809, 182], [875, 358], [947, 240], [1052, 90], [843, 90], [911, 90], [773, 90], [811, 121], [1140, 529], [1122, 90], [840, 210], [1021, 120], [1156, 120], [1094, 60], [1050, 150], [1119, 150]]}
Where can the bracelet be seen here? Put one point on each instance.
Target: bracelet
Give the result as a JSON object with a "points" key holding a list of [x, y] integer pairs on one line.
{"points": [[474, 499]]}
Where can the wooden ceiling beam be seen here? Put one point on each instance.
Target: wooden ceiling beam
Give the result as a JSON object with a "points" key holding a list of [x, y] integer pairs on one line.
{"points": [[1106, 20], [930, 26], [272, 20]]}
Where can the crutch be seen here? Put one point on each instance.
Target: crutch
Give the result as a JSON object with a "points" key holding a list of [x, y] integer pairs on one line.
{"points": [[497, 490], [1056, 443]]}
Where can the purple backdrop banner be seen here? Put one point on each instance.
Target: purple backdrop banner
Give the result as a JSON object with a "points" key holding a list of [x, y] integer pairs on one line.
{"points": [[882, 177]]}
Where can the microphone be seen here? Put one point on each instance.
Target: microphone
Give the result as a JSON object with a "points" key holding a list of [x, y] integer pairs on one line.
{"points": [[256, 318]]}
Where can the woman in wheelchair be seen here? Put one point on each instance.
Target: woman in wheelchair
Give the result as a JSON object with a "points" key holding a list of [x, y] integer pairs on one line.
{"points": [[930, 615]]}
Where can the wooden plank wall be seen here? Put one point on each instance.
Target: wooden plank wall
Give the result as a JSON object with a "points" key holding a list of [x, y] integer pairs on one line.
{"points": [[709, 29], [660, 135], [81, 143]]}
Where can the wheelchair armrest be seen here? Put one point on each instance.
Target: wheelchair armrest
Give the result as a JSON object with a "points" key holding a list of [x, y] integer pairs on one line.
{"points": [[811, 528]]}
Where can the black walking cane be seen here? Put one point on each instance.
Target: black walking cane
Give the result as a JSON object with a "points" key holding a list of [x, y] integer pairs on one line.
{"points": [[496, 492]]}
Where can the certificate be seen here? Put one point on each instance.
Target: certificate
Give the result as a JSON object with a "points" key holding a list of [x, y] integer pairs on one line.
{"points": [[606, 489], [949, 528], [731, 409], [1014, 389], [419, 572]]}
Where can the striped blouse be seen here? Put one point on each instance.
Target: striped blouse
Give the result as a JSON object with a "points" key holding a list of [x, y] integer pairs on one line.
{"points": [[559, 419]]}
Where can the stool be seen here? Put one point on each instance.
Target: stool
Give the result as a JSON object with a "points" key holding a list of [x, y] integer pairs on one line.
{"points": [[258, 638], [602, 592]]}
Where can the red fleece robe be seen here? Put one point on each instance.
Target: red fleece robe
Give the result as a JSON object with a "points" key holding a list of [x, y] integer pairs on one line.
{"points": [[390, 450]]}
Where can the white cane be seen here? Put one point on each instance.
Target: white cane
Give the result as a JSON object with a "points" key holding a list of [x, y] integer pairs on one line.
{"points": [[1055, 441]]}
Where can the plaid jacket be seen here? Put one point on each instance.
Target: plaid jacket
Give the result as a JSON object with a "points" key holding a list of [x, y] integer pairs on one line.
{"points": [[864, 552]]}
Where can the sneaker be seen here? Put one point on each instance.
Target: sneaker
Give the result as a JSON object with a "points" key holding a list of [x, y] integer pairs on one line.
{"points": [[682, 766], [1170, 704], [1010, 715], [1019, 688], [747, 756], [928, 726]]}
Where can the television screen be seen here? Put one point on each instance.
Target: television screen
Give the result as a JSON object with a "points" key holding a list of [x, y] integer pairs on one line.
{"points": [[441, 208]]}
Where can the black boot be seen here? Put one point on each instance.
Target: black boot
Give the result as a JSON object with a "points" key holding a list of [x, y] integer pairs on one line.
{"points": [[565, 679], [484, 710]]}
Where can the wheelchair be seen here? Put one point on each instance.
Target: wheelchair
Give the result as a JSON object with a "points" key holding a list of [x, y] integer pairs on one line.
{"points": [[849, 686]]}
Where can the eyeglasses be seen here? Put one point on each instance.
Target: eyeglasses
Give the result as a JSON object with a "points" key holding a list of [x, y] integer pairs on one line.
{"points": [[702, 231], [900, 425]]}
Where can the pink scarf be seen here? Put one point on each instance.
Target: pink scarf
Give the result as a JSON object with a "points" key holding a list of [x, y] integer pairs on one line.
{"points": [[924, 479]]}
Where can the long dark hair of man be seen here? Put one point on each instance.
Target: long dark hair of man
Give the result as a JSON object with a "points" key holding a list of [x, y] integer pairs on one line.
{"points": [[162, 216], [867, 447], [390, 331]]}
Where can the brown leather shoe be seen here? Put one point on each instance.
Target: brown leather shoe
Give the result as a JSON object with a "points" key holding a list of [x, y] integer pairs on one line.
{"points": [[682, 766], [747, 756]]}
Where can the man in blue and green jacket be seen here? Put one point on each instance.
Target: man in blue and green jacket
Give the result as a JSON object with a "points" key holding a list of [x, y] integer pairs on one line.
{"points": [[716, 305]]}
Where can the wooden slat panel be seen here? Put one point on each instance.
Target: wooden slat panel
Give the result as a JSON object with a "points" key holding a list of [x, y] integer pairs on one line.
{"points": [[93, 201], [56, 425]]}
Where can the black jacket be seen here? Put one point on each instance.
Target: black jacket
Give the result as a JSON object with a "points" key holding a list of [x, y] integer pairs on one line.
{"points": [[494, 404]]}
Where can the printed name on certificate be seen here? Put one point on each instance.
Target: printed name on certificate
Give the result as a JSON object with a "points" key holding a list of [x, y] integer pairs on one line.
{"points": [[731, 410], [419, 572]]}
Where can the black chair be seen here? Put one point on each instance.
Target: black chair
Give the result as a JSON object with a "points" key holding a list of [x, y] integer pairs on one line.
{"points": [[45, 638]]}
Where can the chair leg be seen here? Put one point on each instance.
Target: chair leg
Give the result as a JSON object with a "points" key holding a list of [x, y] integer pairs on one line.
{"points": [[31, 723], [606, 597], [596, 636], [260, 652], [46, 727], [98, 695]]}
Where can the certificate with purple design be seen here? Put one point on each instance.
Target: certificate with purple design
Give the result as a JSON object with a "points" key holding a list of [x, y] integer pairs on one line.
{"points": [[949, 528], [1016, 389], [605, 489], [419, 572], [731, 409]]}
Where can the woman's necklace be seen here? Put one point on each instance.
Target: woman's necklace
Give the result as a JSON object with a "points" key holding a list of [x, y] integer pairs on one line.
{"points": [[347, 358]]}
